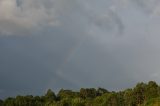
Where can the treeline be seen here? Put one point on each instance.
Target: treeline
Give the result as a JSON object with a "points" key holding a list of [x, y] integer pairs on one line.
{"points": [[143, 94]]}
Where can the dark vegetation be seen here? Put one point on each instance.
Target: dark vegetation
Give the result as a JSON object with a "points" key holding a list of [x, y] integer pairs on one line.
{"points": [[143, 94]]}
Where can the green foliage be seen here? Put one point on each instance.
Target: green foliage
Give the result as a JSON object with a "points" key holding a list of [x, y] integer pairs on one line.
{"points": [[153, 102], [143, 94], [120, 98], [67, 94], [78, 102], [9, 102], [88, 93], [50, 95], [152, 90], [139, 93], [101, 91], [129, 98], [101, 100], [1, 102]]}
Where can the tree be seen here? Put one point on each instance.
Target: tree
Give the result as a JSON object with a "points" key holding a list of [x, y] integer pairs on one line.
{"points": [[1, 102], [65, 102], [88, 93], [101, 91], [142, 94], [67, 94], [50, 95], [78, 102], [112, 99], [9, 102], [101, 100], [129, 98], [151, 90], [120, 98], [139, 93]]}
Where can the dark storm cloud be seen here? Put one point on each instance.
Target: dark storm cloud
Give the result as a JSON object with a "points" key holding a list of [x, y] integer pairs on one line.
{"points": [[72, 44], [30, 63]]}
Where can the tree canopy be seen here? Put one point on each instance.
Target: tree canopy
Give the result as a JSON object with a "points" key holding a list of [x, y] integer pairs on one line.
{"points": [[143, 94]]}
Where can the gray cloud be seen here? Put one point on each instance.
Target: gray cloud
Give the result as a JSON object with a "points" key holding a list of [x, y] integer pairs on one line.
{"points": [[18, 17], [73, 44], [32, 15], [150, 6]]}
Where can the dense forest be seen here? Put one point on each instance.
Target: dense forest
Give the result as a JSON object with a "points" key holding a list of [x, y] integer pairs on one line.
{"points": [[143, 94]]}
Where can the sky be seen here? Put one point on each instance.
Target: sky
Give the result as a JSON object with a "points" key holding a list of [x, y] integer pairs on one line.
{"points": [[72, 44]]}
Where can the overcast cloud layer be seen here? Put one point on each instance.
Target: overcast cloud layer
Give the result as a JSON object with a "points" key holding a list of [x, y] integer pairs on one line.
{"points": [[77, 43]]}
